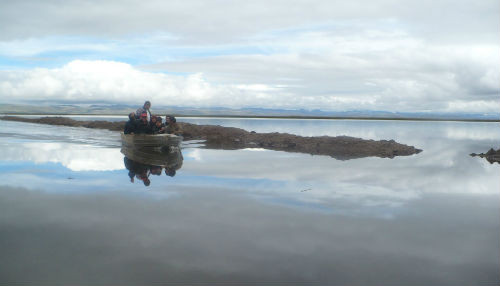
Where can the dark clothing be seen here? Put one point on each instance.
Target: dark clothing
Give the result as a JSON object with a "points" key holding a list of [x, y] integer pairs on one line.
{"points": [[138, 170], [152, 125], [129, 164], [157, 130], [142, 127], [130, 127]]}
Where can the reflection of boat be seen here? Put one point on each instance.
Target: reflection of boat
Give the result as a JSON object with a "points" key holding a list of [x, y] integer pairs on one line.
{"points": [[167, 157], [148, 140], [143, 162], [149, 154]]}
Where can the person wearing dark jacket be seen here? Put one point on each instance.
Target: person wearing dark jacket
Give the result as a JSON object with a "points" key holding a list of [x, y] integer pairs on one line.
{"points": [[158, 127], [142, 125], [152, 122], [130, 126]]}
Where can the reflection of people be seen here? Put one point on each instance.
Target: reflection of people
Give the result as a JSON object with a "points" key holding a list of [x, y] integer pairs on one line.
{"points": [[144, 177], [156, 170], [169, 171], [138, 170], [144, 109], [129, 165]]}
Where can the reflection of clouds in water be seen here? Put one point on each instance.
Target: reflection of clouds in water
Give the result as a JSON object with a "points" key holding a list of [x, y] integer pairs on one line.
{"points": [[76, 157], [484, 133], [216, 236], [367, 182], [443, 167], [54, 183], [194, 154]]}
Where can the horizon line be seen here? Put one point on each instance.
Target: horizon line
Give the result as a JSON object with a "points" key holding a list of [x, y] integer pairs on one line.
{"points": [[272, 117]]}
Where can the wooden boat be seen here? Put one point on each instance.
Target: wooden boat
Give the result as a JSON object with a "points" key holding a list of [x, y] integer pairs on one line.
{"points": [[148, 140]]}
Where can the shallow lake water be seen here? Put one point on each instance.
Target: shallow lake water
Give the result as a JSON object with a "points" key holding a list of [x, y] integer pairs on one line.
{"points": [[72, 213]]}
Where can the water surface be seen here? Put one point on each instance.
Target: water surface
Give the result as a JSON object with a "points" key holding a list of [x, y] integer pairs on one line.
{"points": [[71, 215]]}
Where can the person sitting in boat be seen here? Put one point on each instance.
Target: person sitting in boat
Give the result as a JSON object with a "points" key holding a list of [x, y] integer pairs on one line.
{"points": [[142, 125], [171, 126], [130, 126], [152, 122], [144, 109], [158, 128]]}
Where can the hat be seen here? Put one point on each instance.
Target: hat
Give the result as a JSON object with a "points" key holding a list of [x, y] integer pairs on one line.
{"points": [[144, 114]]}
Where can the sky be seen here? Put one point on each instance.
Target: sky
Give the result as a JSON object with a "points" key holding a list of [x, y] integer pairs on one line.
{"points": [[381, 55]]}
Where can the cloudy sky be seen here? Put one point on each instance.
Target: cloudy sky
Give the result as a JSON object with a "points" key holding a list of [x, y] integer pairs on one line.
{"points": [[392, 55]]}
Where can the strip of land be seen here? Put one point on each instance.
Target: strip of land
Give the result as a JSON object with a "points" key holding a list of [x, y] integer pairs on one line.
{"points": [[230, 138]]}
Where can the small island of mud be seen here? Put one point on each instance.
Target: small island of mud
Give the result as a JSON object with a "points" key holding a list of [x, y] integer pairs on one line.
{"points": [[230, 138]]}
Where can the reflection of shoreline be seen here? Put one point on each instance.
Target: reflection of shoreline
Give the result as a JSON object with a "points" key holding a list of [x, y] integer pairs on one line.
{"points": [[491, 156], [143, 162]]}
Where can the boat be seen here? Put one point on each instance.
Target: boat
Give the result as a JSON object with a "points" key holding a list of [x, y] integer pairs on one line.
{"points": [[149, 140]]}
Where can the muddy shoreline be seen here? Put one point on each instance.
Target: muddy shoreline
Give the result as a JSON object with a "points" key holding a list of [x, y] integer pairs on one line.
{"points": [[230, 138]]}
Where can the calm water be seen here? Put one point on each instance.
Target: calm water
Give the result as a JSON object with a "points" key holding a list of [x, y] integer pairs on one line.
{"points": [[69, 213]]}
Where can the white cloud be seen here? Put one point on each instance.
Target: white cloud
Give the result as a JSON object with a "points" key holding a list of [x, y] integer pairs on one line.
{"points": [[337, 80], [119, 82], [390, 55], [383, 70], [203, 21]]}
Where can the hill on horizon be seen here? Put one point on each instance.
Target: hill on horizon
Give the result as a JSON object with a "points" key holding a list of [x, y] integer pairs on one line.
{"points": [[123, 109]]}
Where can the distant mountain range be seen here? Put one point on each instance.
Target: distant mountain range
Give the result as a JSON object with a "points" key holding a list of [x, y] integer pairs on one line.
{"points": [[123, 109]]}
